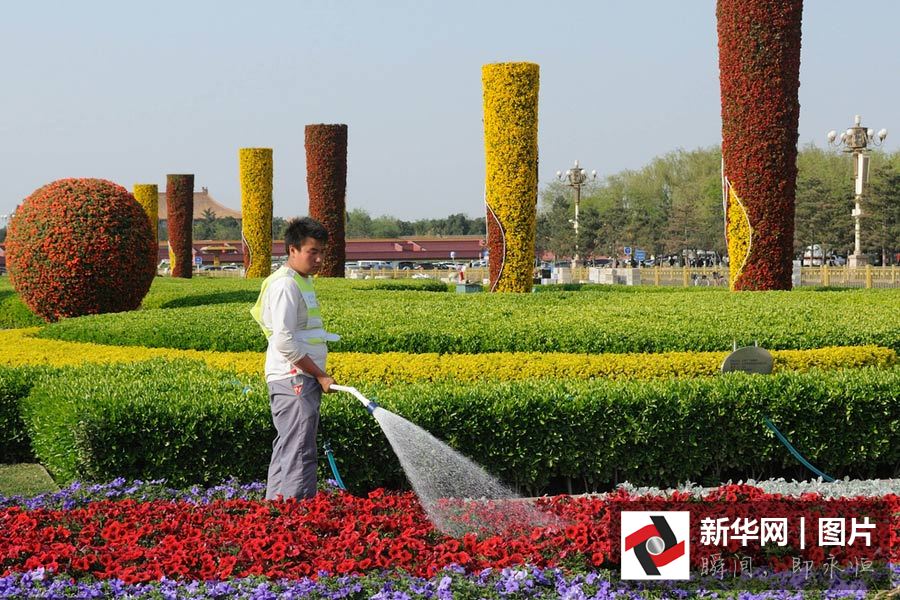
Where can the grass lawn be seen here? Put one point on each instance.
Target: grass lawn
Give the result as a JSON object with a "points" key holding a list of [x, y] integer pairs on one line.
{"points": [[25, 480]]}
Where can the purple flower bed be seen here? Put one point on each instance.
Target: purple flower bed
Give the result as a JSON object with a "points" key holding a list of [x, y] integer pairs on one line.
{"points": [[522, 582], [78, 494]]}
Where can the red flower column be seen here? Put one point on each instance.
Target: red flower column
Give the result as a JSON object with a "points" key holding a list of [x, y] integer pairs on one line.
{"points": [[180, 217], [326, 181], [759, 65]]}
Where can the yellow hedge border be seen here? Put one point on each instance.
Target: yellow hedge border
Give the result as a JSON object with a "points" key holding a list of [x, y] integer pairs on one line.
{"points": [[147, 195], [511, 156], [256, 209], [20, 348]]}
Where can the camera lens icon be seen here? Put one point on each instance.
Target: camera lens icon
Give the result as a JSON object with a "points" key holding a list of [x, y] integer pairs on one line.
{"points": [[656, 546]]}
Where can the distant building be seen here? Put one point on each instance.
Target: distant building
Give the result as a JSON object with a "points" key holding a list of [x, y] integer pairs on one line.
{"points": [[202, 202], [395, 250]]}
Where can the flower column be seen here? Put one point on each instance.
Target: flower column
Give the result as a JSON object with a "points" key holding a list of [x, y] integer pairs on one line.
{"points": [[511, 155], [759, 64], [147, 195], [180, 217], [256, 210], [326, 181]]}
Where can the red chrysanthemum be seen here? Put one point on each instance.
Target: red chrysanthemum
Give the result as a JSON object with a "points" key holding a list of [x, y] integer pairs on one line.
{"points": [[81, 246], [759, 64], [326, 180]]}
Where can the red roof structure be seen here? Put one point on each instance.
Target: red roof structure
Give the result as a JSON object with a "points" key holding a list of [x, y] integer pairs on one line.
{"points": [[406, 249]]}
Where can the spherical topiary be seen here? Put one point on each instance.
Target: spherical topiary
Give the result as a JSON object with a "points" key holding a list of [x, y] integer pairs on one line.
{"points": [[78, 247]]}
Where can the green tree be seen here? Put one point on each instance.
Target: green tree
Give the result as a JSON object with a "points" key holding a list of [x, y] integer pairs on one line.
{"points": [[881, 213], [823, 201], [359, 224], [279, 226], [204, 227], [390, 227]]}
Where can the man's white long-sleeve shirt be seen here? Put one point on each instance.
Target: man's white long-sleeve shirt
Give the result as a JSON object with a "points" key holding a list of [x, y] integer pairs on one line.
{"points": [[284, 314]]}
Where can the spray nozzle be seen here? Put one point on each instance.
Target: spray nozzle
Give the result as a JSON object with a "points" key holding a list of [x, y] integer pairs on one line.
{"points": [[369, 404]]}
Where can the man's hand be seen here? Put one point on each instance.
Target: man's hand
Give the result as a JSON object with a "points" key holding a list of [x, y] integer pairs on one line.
{"points": [[326, 381]]}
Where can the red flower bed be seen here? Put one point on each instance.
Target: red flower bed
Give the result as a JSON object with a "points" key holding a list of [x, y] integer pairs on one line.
{"points": [[81, 246], [759, 64], [326, 181], [340, 533], [180, 222]]}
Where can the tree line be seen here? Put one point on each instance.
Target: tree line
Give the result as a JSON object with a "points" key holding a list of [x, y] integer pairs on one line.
{"points": [[359, 225], [672, 205]]}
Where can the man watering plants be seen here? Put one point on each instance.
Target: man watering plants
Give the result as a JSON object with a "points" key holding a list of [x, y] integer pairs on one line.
{"points": [[296, 375]]}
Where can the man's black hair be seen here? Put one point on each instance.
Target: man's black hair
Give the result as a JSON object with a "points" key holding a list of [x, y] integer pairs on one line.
{"points": [[300, 229]]}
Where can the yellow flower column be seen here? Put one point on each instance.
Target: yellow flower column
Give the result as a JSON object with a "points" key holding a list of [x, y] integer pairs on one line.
{"points": [[256, 209], [511, 156], [147, 195], [738, 235]]}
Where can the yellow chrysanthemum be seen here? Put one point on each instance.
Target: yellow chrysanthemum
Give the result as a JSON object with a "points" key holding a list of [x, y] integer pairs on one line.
{"points": [[256, 209]]}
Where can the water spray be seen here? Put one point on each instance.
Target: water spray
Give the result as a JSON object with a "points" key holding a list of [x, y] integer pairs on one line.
{"points": [[458, 495]]}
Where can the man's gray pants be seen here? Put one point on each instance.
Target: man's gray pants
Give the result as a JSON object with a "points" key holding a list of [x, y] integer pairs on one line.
{"points": [[292, 471]]}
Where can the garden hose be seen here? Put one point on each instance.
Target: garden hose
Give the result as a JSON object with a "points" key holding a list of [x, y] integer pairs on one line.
{"points": [[334, 469], [370, 406], [796, 454]]}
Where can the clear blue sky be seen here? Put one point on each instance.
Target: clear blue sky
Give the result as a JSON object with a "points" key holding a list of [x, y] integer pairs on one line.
{"points": [[131, 91]]}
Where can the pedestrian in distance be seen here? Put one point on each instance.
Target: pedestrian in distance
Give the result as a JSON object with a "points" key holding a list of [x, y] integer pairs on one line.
{"points": [[296, 356]]}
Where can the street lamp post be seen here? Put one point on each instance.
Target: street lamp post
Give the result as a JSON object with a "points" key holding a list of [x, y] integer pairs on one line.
{"points": [[575, 178], [856, 141]]}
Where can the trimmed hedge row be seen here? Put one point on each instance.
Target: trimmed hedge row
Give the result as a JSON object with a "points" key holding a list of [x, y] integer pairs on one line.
{"points": [[13, 312], [400, 367], [180, 421], [369, 321], [190, 424], [15, 384], [415, 285]]}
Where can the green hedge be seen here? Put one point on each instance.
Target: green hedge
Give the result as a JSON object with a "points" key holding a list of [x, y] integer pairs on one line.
{"points": [[15, 384], [414, 285], [13, 312], [406, 321], [181, 421], [190, 424]]}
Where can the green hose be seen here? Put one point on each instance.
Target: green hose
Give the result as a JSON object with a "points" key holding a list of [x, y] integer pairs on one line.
{"points": [[334, 469], [796, 454]]}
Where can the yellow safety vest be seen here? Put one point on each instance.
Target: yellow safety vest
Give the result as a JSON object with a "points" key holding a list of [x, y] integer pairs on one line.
{"points": [[313, 332]]}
